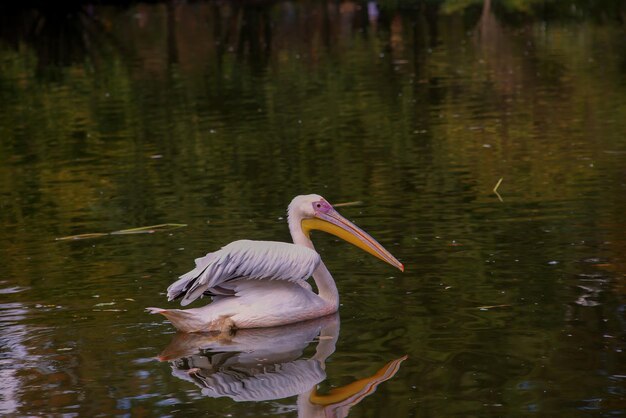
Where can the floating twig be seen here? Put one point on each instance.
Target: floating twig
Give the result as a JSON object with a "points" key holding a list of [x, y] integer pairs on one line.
{"points": [[495, 189], [140, 230], [82, 236], [484, 308], [148, 229], [355, 203]]}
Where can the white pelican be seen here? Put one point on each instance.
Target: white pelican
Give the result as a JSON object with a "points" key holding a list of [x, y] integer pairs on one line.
{"points": [[258, 284]]}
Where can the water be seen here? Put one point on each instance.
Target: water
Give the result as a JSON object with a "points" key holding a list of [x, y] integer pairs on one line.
{"points": [[216, 115]]}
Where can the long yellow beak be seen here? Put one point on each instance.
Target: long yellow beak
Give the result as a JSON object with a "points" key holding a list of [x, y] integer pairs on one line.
{"points": [[329, 220]]}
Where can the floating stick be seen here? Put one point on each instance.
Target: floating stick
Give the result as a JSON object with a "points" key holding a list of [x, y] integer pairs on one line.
{"points": [[495, 189], [148, 229], [140, 230], [356, 202], [82, 236], [484, 308]]}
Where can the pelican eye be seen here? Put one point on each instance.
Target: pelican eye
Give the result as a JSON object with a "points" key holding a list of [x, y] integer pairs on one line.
{"points": [[321, 206]]}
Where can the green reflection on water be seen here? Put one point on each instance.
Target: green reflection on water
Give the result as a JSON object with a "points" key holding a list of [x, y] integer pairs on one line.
{"points": [[216, 115]]}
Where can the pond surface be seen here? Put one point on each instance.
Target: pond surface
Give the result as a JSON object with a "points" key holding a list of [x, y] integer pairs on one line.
{"points": [[214, 115]]}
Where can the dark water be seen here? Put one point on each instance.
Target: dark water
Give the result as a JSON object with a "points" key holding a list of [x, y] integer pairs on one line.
{"points": [[216, 114]]}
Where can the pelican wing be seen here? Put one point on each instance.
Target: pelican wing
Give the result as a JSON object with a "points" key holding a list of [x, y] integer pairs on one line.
{"points": [[244, 259]]}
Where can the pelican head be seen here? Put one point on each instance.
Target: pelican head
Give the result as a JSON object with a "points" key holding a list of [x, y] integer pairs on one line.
{"points": [[309, 212]]}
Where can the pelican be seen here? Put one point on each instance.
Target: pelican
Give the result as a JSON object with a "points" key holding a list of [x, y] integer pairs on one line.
{"points": [[256, 284]]}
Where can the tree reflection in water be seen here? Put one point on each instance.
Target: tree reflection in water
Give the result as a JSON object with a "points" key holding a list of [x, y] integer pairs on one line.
{"points": [[115, 115]]}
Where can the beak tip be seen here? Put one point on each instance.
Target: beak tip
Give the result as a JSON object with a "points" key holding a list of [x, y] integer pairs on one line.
{"points": [[401, 267]]}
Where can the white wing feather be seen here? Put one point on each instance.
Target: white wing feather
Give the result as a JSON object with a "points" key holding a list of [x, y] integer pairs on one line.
{"points": [[244, 259]]}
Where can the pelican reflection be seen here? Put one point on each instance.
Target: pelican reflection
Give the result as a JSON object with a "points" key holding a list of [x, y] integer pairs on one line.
{"points": [[268, 363]]}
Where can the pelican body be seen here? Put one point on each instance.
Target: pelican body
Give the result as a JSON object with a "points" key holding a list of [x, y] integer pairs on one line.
{"points": [[256, 284]]}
